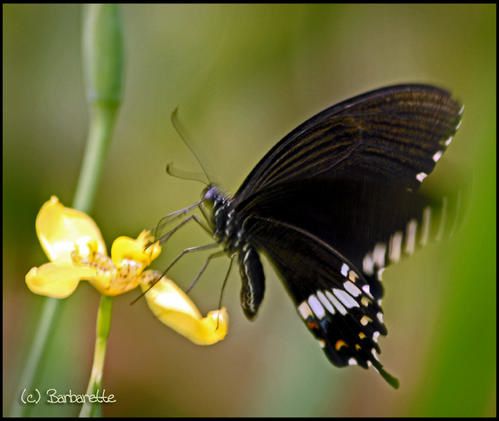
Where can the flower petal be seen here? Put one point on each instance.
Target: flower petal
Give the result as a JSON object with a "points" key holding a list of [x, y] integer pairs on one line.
{"points": [[59, 228], [176, 310], [57, 280], [112, 284], [141, 250]]}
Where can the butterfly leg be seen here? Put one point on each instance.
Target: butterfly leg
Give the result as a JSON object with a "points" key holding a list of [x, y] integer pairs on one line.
{"points": [[183, 253], [223, 285], [203, 268], [203, 212], [172, 216], [194, 218], [187, 251]]}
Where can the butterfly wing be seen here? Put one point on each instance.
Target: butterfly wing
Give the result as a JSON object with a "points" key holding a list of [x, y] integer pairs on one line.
{"points": [[337, 199], [395, 134], [332, 296], [372, 223]]}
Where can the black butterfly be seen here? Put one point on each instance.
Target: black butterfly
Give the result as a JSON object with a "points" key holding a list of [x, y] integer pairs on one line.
{"points": [[331, 205]]}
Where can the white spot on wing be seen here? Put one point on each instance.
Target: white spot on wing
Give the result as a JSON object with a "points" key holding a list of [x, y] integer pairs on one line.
{"points": [[325, 302], [367, 290], [459, 124], [304, 310], [345, 298], [336, 303], [379, 274], [421, 176], [375, 336], [395, 245], [425, 227], [379, 254], [344, 269], [379, 315], [352, 361], [316, 306], [437, 156], [368, 264], [352, 289], [448, 141], [410, 236]]}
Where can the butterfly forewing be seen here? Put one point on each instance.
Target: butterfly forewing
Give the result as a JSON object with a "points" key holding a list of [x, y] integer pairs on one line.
{"points": [[394, 134]]}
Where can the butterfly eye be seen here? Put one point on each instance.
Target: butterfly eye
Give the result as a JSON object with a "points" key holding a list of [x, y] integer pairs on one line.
{"points": [[211, 194]]}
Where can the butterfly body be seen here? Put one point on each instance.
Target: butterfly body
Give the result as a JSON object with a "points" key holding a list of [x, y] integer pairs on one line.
{"points": [[335, 202], [226, 227]]}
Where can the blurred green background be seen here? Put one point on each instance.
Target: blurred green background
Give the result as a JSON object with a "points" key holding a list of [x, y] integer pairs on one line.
{"points": [[243, 76]]}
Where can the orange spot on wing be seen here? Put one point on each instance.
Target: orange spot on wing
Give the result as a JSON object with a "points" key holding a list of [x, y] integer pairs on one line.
{"points": [[365, 301], [312, 324], [340, 343]]}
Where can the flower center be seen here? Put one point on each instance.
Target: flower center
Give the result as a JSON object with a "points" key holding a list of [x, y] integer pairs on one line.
{"points": [[112, 278]]}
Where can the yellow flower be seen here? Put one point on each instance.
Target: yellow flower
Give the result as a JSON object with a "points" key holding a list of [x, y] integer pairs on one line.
{"points": [[74, 245], [175, 309]]}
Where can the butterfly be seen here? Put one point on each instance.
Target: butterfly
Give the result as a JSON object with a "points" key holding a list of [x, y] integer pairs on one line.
{"points": [[331, 205]]}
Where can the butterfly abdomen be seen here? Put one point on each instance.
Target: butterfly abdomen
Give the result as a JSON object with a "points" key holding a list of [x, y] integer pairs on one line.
{"points": [[253, 280]]}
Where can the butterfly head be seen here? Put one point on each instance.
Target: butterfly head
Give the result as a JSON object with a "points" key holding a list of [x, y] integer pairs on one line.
{"points": [[213, 196], [210, 193]]}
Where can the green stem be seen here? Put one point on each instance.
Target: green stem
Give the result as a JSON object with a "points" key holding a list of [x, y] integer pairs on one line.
{"points": [[50, 309], [102, 334], [101, 126], [103, 65]]}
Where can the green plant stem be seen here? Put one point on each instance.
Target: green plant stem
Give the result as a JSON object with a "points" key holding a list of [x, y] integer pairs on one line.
{"points": [[50, 309], [103, 65], [101, 126], [102, 333]]}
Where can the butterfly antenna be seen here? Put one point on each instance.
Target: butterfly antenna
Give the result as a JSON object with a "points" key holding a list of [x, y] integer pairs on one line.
{"points": [[183, 175], [182, 133]]}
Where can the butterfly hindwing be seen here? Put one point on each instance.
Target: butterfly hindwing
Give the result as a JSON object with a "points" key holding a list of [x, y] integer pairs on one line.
{"points": [[331, 295]]}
